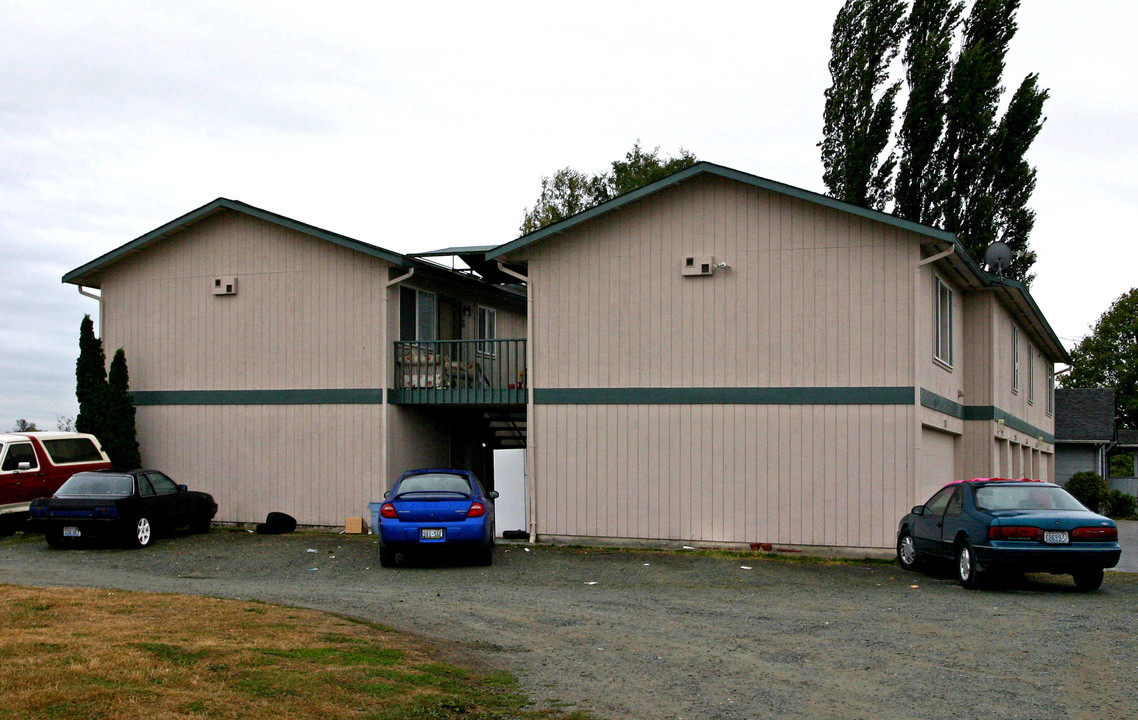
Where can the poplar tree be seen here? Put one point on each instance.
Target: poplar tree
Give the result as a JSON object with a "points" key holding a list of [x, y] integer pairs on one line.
{"points": [[121, 442], [91, 382], [931, 26], [961, 167], [859, 110]]}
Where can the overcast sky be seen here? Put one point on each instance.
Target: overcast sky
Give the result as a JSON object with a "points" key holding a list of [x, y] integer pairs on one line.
{"points": [[424, 125]]}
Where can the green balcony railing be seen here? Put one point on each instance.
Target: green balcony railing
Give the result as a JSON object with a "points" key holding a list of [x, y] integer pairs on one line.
{"points": [[460, 372]]}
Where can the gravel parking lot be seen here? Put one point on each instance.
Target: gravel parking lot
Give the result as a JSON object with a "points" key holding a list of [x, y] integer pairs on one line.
{"points": [[639, 634]]}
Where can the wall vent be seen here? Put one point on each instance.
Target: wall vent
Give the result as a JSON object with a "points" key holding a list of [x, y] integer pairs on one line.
{"points": [[698, 265], [225, 286]]}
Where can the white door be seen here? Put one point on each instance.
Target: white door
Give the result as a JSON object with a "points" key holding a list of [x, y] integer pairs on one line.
{"points": [[510, 482]]}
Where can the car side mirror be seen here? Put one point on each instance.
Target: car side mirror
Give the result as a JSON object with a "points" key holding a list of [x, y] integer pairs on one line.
{"points": [[182, 488], [493, 494], [387, 494], [919, 510], [24, 466]]}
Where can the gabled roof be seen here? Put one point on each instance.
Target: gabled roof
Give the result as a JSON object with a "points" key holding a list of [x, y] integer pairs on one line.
{"points": [[91, 273], [1084, 415], [964, 268]]}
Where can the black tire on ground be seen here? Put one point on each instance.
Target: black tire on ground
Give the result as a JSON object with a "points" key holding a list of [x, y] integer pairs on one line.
{"points": [[7, 525], [277, 523], [140, 533], [201, 525], [55, 539], [967, 569], [386, 557], [1088, 580], [907, 556], [484, 556]]}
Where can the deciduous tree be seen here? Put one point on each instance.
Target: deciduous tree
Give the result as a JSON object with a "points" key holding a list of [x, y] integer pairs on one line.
{"points": [[571, 191], [1108, 358]]}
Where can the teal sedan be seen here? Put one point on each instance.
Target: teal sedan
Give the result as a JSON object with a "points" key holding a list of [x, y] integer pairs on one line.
{"points": [[992, 525]]}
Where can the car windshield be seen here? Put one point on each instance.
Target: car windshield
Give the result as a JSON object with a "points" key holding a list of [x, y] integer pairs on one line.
{"points": [[111, 486], [1026, 496], [434, 482]]}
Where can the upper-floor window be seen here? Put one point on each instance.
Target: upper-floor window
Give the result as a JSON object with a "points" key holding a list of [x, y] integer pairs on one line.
{"points": [[487, 328], [943, 350], [418, 315], [1015, 359], [1050, 388], [1030, 373]]}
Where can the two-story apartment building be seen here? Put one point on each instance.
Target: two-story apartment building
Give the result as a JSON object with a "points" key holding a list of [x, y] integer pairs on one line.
{"points": [[714, 357]]}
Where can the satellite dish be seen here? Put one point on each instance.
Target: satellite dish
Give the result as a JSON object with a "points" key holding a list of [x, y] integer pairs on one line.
{"points": [[998, 257]]}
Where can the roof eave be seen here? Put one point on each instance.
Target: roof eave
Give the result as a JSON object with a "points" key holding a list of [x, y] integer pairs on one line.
{"points": [[89, 274]]}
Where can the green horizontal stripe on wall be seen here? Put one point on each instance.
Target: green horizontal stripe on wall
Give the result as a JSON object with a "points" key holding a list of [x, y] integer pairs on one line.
{"points": [[726, 396], [353, 396], [933, 401]]}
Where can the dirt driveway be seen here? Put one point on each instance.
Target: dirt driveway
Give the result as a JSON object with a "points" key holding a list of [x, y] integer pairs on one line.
{"points": [[630, 634]]}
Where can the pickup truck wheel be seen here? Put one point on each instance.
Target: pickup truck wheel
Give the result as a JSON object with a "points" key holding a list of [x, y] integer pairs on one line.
{"points": [[140, 534]]}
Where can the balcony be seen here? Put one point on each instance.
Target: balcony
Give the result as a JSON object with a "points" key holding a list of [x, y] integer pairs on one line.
{"points": [[460, 372]]}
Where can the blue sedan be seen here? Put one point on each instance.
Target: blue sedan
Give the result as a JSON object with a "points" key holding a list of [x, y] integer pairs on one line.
{"points": [[991, 524], [436, 511]]}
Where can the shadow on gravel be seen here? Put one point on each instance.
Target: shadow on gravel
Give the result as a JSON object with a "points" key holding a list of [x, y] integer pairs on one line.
{"points": [[1005, 582]]}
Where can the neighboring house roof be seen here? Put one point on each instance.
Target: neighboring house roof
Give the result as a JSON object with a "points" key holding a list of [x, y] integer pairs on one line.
{"points": [[91, 273], [964, 269], [1084, 415], [1128, 439]]}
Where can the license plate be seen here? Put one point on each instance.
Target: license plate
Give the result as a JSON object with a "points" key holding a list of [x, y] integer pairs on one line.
{"points": [[71, 532], [1057, 537], [431, 533]]}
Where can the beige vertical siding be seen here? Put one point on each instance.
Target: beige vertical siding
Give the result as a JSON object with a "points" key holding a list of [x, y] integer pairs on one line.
{"points": [[418, 438], [814, 297], [308, 314], [792, 474], [319, 463]]}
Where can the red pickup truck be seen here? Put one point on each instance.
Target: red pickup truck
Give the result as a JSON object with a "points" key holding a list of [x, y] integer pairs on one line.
{"points": [[35, 464]]}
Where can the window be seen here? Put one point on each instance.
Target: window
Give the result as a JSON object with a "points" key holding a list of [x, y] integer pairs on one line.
{"points": [[72, 450], [1015, 359], [162, 485], [1030, 374], [20, 453], [418, 315], [937, 504], [943, 323], [487, 329], [1050, 388]]}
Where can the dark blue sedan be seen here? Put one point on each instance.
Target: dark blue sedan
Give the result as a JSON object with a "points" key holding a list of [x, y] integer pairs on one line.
{"points": [[436, 511], [991, 525]]}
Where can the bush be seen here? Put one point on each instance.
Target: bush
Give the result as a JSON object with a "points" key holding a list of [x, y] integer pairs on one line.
{"points": [[1090, 489], [1121, 505]]}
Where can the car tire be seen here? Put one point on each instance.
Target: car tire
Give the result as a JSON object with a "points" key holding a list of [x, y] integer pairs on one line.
{"points": [[201, 525], [1088, 580], [55, 539], [141, 533], [907, 556], [386, 557], [967, 569], [484, 556]]}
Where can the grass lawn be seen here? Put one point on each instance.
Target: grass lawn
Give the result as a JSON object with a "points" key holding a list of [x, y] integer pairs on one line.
{"points": [[79, 653]]}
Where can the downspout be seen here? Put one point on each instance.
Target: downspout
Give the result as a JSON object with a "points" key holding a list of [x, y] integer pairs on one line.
{"points": [[388, 375], [84, 293], [531, 446]]}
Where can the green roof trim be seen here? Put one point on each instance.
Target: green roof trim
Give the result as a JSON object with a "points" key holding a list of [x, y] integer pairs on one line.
{"points": [[959, 258], [707, 168], [470, 250], [726, 396], [336, 396], [78, 275]]}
